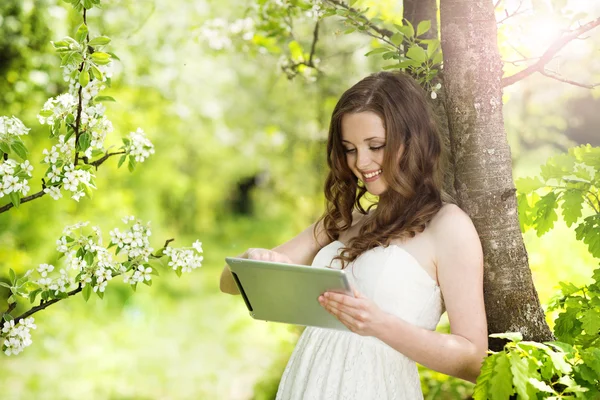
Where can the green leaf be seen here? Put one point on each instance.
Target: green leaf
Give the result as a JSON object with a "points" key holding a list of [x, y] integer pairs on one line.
{"points": [[104, 98], [15, 199], [99, 41], [541, 386], [558, 167], [559, 362], [587, 373], [4, 284], [432, 48], [20, 149], [147, 283], [7, 317], [591, 358], [100, 294], [481, 390], [591, 321], [87, 291], [572, 206], [88, 4], [84, 77], [121, 160], [524, 211], [113, 56], [88, 191], [545, 215], [567, 288], [528, 185], [5, 147], [33, 295], [397, 38], [378, 50], [84, 141], [501, 386], [101, 58], [12, 276], [589, 232], [81, 33], [88, 258], [409, 30], [417, 53], [423, 27], [97, 74], [512, 336], [521, 374], [131, 164]]}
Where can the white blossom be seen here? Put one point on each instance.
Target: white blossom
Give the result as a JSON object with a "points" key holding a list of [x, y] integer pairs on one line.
{"points": [[134, 243], [186, 259], [197, 245], [54, 192], [139, 147], [11, 127], [43, 269], [16, 337]]}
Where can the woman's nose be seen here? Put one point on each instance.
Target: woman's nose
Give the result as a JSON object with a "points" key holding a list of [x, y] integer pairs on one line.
{"points": [[362, 160]]}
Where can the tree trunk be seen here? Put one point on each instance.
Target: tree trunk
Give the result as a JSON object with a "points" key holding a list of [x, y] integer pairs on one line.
{"points": [[483, 168], [416, 11]]}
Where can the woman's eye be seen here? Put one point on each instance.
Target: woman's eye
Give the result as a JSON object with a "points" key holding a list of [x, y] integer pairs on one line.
{"points": [[377, 148], [349, 151]]}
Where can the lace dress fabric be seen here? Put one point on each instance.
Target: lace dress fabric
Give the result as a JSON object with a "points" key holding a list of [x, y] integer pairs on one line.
{"points": [[329, 364]]}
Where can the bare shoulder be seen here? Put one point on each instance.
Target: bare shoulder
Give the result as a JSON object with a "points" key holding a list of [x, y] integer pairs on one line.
{"points": [[451, 221], [453, 234]]}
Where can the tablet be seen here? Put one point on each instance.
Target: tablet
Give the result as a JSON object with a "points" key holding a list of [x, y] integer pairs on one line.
{"points": [[288, 293]]}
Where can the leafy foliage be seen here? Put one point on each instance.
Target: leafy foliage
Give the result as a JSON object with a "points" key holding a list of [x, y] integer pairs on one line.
{"points": [[569, 183]]}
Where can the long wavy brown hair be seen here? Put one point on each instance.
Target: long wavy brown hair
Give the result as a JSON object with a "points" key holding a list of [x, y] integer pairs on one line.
{"points": [[411, 165]]}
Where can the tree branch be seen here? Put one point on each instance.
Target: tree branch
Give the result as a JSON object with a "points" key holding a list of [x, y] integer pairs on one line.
{"points": [[314, 43], [550, 53], [34, 196], [365, 20], [44, 304], [559, 78], [80, 101], [515, 13], [99, 161]]}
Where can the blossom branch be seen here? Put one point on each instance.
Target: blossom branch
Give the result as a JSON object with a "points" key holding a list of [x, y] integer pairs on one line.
{"points": [[44, 304], [550, 53]]}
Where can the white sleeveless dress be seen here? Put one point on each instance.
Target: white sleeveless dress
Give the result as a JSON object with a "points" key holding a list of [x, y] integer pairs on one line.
{"points": [[329, 364]]}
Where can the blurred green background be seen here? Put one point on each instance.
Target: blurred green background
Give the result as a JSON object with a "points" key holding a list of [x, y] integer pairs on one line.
{"points": [[239, 163]]}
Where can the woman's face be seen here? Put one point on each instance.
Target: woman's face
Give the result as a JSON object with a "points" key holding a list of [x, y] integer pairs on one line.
{"points": [[363, 138]]}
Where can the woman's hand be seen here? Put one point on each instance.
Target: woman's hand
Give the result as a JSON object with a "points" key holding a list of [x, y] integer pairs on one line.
{"points": [[266, 255], [358, 313]]}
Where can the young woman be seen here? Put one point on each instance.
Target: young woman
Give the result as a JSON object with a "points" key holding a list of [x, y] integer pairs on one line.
{"points": [[411, 256]]}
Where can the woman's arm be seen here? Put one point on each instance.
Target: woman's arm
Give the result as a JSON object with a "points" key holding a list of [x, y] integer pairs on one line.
{"points": [[460, 273], [299, 250]]}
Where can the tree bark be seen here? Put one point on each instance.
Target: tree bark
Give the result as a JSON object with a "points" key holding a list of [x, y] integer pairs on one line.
{"points": [[483, 167], [416, 11]]}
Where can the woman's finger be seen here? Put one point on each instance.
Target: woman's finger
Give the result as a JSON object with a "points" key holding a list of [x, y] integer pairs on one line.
{"points": [[344, 300]]}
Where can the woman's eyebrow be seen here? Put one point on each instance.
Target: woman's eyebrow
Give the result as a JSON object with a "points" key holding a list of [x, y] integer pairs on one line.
{"points": [[367, 139]]}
